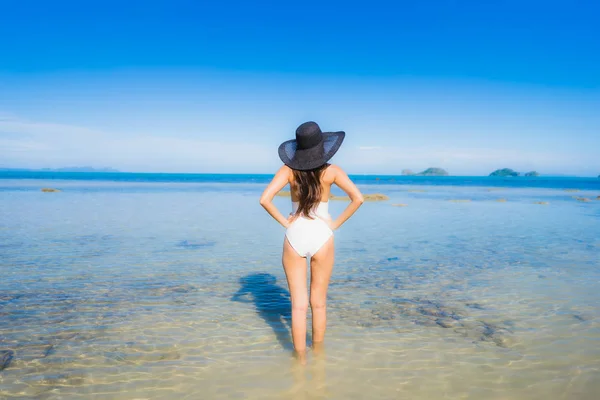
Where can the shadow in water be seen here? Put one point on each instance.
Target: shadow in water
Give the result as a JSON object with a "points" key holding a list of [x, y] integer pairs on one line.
{"points": [[272, 303]]}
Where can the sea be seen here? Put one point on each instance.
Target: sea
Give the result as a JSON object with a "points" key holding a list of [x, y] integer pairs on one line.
{"points": [[161, 286]]}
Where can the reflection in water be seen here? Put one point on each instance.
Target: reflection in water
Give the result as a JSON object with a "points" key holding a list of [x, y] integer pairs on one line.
{"points": [[318, 368], [272, 303], [309, 375]]}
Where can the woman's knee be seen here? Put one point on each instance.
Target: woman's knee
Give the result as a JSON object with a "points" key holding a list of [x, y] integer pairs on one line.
{"points": [[317, 302], [300, 305]]}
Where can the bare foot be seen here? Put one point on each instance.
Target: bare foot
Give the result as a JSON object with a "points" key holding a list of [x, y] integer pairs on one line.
{"points": [[300, 356]]}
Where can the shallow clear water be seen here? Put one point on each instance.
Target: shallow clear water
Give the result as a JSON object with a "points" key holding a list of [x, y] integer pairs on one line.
{"points": [[125, 290]]}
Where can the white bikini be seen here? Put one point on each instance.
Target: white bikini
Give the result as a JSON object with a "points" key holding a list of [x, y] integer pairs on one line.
{"points": [[307, 235]]}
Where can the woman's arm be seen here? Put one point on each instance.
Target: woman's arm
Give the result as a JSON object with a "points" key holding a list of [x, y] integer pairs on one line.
{"points": [[281, 178], [356, 198]]}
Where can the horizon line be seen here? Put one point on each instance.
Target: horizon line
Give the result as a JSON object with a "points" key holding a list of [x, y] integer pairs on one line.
{"points": [[417, 175]]}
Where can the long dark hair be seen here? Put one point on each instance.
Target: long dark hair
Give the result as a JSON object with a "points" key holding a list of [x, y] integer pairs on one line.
{"points": [[308, 184]]}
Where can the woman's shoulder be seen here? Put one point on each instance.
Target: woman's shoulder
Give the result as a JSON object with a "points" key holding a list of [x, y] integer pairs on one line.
{"points": [[287, 172], [334, 169]]}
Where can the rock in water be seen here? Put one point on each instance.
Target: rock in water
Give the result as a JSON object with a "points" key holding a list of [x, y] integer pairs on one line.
{"points": [[367, 197], [50, 190], [334, 197], [582, 199], [504, 172], [375, 197], [541, 202], [6, 357]]}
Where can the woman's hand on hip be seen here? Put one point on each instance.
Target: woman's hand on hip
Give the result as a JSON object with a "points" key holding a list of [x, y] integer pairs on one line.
{"points": [[330, 223], [290, 220]]}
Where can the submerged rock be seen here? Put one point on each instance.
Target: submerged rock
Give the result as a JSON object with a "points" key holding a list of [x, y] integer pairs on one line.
{"points": [[541, 202], [367, 197], [476, 306], [6, 357], [50, 190], [342, 198], [375, 197], [446, 322], [196, 244], [400, 205], [35, 351], [185, 288], [482, 331], [582, 199]]}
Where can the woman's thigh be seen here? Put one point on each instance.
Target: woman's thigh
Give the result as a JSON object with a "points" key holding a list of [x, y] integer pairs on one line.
{"points": [[321, 266], [295, 272]]}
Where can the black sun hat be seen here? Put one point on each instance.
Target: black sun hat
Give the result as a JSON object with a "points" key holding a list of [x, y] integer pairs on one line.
{"points": [[311, 148]]}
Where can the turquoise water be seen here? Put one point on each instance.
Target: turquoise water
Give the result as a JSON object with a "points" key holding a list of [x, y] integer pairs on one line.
{"points": [[523, 182], [156, 288]]}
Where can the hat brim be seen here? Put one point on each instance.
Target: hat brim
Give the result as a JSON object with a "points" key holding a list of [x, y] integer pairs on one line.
{"points": [[307, 159]]}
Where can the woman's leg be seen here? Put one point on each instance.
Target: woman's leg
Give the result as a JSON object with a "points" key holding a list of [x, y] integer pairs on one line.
{"points": [[295, 272], [321, 265]]}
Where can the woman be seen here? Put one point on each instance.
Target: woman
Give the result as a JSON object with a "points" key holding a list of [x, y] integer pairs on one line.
{"points": [[309, 228]]}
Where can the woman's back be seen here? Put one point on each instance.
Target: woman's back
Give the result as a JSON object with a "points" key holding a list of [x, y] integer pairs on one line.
{"points": [[327, 179]]}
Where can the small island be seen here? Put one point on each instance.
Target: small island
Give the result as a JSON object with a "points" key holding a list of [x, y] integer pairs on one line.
{"points": [[80, 169], [531, 173], [407, 172], [433, 172], [504, 172]]}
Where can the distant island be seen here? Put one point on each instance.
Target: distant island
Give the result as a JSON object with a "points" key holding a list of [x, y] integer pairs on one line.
{"points": [[433, 172], [504, 172], [80, 169], [407, 172], [64, 169], [511, 172]]}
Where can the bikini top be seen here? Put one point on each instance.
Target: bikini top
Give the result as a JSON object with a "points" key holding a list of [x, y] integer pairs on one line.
{"points": [[322, 209]]}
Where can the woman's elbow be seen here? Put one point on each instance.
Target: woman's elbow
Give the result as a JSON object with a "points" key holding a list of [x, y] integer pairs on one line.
{"points": [[263, 201], [359, 199]]}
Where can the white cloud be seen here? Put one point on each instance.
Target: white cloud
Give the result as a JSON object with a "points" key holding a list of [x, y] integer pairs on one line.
{"points": [[35, 145], [369, 148]]}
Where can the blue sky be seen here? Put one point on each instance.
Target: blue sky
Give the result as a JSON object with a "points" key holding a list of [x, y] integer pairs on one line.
{"points": [[176, 86]]}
